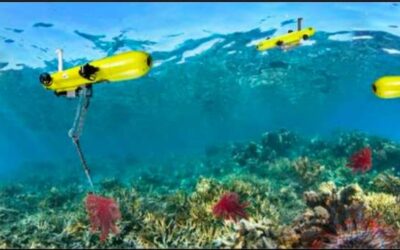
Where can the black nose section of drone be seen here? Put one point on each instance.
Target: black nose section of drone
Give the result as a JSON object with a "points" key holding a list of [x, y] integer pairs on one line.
{"points": [[374, 88], [45, 79], [149, 61]]}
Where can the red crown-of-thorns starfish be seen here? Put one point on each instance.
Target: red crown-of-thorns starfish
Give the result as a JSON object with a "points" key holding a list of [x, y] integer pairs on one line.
{"points": [[361, 160], [229, 207], [103, 214]]}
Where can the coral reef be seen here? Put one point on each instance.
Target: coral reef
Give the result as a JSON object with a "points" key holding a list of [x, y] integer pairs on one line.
{"points": [[348, 143], [386, 205], [308, 170], [249, 234], [386, 152], [326, 208], [336, 218], [385, 182], [12, 189], [273, 145], [281, 192], [280, 142], [248, 155], [110, 183], [57, 198]]}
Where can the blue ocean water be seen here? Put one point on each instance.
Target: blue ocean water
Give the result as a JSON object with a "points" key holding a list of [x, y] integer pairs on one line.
{"points": [[219, 145], [208, 85]]}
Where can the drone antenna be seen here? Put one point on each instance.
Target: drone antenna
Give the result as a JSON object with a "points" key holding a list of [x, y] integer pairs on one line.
{"points": [[299, 23], [60, 59]]}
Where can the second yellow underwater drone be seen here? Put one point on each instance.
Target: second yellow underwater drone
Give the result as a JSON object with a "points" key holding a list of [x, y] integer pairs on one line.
{"points": [[289, 40], [78, 81]]}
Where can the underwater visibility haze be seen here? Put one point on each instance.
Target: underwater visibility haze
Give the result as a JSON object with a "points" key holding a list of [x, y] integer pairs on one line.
{"points": [[219, 136]]}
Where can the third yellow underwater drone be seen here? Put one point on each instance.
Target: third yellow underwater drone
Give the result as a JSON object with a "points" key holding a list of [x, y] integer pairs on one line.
{"points": [[78, 81], [387, 87]]}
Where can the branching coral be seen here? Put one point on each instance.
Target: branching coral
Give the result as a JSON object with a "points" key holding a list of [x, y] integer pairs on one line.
{"points": [[265, 201], [206, 193], [74, 228], [190, 225], [250, 234], [307, 170], [386, 205], [8, 215], [388, 183]]}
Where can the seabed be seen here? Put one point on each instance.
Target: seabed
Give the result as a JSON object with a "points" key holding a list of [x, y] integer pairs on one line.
{"points": [[299, 191]]}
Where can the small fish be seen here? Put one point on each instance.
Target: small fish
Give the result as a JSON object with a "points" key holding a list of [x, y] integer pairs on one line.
{"points": [[174, 35], [290, 21], [43, 25], [14, 30], [278, 64], [3, 64]]}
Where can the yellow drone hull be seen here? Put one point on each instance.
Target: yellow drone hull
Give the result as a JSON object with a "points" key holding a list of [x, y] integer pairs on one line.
{"points": [[124, 66], [287, 40], [387, 87]]}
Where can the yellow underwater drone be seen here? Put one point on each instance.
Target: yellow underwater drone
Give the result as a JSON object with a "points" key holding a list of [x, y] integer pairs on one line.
{"points": [[78, 81], [124, 66], [387, 87], [291, 39]]}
